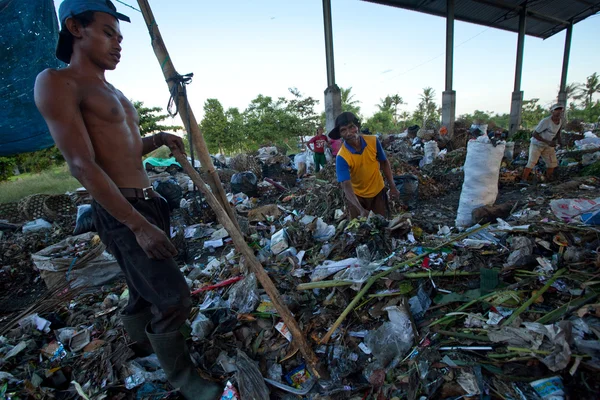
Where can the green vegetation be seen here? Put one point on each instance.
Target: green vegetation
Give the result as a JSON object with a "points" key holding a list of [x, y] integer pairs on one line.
{"points": [[591, 170], [55, 180], [266, 121], [150, 118]]}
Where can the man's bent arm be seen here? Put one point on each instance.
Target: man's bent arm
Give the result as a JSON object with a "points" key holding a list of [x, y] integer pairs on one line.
{"points": [[57, 100], [351, 196], [387, 172], [151, 143]]}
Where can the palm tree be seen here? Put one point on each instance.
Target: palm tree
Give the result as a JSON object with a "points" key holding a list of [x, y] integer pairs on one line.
{"points": [[348, 102], [396, 101], [591, 87], [404, 116], [385, 105], [428, 95]]}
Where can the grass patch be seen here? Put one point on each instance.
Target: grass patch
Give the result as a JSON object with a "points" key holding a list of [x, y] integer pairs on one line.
{"points": [[56, 180]]}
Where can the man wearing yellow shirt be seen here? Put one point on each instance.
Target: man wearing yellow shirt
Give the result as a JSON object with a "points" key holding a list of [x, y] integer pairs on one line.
{"points": [[358, 166]]}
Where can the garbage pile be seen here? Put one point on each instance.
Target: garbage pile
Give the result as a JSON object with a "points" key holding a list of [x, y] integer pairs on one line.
{"points": [[499, 300]]}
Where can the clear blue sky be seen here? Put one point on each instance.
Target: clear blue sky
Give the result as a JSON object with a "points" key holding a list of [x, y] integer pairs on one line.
{"points": [[238, 49]]}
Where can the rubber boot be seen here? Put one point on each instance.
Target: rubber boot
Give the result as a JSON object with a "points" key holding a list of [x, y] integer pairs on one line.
{"points": [[174, 357], [135, 326]]}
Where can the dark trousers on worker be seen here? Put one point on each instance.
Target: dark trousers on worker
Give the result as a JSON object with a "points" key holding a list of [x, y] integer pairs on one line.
{"points": [[377, 204], [154, 284]]}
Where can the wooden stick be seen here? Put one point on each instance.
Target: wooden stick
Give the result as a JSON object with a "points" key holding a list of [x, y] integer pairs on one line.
{"points": [[185, 111], [255, 266], [375, 278]]}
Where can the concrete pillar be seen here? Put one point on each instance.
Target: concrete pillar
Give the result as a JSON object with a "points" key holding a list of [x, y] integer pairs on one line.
{"points": [[515, 112], [333, 97], [517, 95], [449, 110], [333, 106], [562, 94], [449, 95]]}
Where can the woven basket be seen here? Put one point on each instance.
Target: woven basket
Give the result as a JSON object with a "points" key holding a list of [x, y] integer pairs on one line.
{"points": [[32, 206], [58, 206], [10, 212]]}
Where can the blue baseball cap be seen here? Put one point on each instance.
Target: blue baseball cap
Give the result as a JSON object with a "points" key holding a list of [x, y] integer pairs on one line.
{"points": [[71, 8]]}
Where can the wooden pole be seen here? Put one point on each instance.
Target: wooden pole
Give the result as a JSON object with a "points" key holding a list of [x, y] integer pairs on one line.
{"points": [[255, 266], [185, 111]]}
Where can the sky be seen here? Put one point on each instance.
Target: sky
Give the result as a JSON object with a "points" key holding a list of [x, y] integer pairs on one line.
{"points": [[238, 49]]}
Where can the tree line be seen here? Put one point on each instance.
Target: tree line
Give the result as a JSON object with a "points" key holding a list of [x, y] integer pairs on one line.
{"points": [[285, 121]]}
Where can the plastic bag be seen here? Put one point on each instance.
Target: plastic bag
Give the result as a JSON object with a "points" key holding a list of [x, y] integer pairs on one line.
{"points": [[331, 267], [245, 182], [392, 339], [243, 296], [509, 151], [570, 209], [36, 225], [323, 232], [480, 186], [201, 327], [171, 191], [408, 186], [250, 381], [431, 150], [85, 220]]}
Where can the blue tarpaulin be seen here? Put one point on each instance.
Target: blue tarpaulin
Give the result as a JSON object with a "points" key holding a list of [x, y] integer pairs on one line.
{"points": [[27, 47]]}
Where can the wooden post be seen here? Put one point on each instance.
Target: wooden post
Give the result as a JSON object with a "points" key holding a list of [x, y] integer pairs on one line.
{"points": [[255, 266], [185, 111]]}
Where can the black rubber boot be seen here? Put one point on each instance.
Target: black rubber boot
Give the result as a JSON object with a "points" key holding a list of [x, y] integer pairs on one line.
{"points": [[135, 326], [174, 357]]}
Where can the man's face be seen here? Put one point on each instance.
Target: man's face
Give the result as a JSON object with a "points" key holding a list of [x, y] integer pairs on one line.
{"points": [[557, 113], [319, 131], [101, 41], [349, 132]]}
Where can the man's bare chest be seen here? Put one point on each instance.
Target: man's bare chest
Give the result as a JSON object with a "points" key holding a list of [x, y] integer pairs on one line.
{"points": [[101, 105]]}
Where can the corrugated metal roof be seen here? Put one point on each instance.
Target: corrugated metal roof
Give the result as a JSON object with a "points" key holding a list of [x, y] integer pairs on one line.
{"points": [[544, 17]]}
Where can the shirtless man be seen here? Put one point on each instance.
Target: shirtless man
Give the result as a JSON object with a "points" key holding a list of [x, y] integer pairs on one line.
{"points": [[96, 128]]}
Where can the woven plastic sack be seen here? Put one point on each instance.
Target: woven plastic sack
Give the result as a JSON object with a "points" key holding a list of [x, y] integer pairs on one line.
{"points": [[482, 170]]}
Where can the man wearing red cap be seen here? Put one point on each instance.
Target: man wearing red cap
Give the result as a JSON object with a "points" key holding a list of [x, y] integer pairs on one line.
{"points": [[358, 166], [96, 129]]}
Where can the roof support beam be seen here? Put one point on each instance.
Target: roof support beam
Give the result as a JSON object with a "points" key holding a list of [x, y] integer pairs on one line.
{"points": [[333, 98], [449, 42], [328, 42], [562, 94], [517, 95], [449, 95]]}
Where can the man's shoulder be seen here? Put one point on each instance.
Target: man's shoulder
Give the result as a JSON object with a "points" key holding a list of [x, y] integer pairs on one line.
{"points": [[56, 78]]}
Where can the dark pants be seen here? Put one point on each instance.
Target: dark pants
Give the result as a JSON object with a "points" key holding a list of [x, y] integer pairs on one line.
{"points": [[320, 161], [152, 283], [377, 204]]}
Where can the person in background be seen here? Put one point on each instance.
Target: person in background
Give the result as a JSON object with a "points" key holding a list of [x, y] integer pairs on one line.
{"points": [[336, 145], [317, 144], [543, 143], [358, 166]]}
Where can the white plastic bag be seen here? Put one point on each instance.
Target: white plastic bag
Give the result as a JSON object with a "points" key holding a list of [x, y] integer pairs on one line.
{"points": [[569, 209], [431, 152], [480, 187], [509, 151]]}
